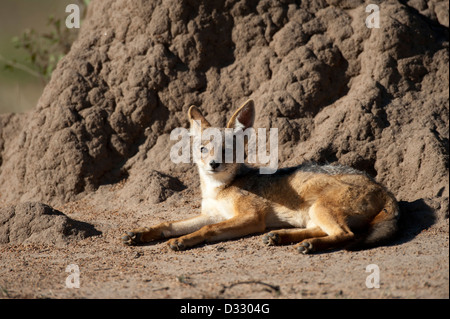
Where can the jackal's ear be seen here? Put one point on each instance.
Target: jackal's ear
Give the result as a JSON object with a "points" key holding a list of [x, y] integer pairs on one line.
{"points": [[244, 117], [197, 120]]}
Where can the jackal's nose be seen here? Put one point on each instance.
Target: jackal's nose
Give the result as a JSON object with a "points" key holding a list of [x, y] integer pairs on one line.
{"points": [[213, 164]]}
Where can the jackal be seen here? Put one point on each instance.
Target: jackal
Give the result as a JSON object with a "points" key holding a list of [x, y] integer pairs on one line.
{"points": [[316, 207]]}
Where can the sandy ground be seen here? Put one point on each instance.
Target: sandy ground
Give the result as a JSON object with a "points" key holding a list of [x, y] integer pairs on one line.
{"points": [[413, 266]]}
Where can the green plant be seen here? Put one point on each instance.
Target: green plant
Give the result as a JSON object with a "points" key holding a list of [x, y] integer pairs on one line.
{"points": [[45, 50]]}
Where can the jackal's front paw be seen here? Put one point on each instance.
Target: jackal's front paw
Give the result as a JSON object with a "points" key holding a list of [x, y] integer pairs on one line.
{"points": [[133, 237], [271, 239], [304, 247], [176, 244]]}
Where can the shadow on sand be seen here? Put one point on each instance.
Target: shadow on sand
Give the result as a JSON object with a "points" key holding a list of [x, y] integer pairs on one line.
{"points": [[415, 217]]}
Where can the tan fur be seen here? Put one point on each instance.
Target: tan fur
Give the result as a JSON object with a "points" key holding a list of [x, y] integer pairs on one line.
{"points": [[324, 207]]}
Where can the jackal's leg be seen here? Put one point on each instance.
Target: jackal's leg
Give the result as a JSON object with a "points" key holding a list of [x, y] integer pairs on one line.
{"points": [[289, 236], [235, 227], [332, 223], [166, 230]]}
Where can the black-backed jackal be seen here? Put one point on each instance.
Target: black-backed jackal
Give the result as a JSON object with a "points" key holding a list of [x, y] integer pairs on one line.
{"points": [[319, 207]]}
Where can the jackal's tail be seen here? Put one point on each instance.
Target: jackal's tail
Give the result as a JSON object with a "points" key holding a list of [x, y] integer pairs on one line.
{"points": [[382, 228]]}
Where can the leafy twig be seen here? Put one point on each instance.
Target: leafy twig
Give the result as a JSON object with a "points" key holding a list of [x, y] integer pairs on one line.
{"points": [[45, 50], [22, 67]]}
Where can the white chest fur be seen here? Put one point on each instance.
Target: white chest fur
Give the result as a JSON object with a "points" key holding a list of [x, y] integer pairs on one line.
{"points": [[218, 209]]}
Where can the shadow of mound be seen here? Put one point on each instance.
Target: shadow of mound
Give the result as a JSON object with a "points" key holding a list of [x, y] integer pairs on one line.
{"points": [[83, 229], [70, 227], [415, 217], [34, 222]]}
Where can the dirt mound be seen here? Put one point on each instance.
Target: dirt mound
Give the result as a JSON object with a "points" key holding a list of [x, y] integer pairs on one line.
{"points": [[375, 99], [152, 188], [37, 223]]}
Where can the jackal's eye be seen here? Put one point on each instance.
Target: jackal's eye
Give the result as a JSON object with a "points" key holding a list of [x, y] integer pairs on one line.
{"points": [[203, 150]]}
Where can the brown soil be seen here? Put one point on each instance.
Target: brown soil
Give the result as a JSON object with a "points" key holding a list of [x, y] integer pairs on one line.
{"points": [[96, 148]]}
